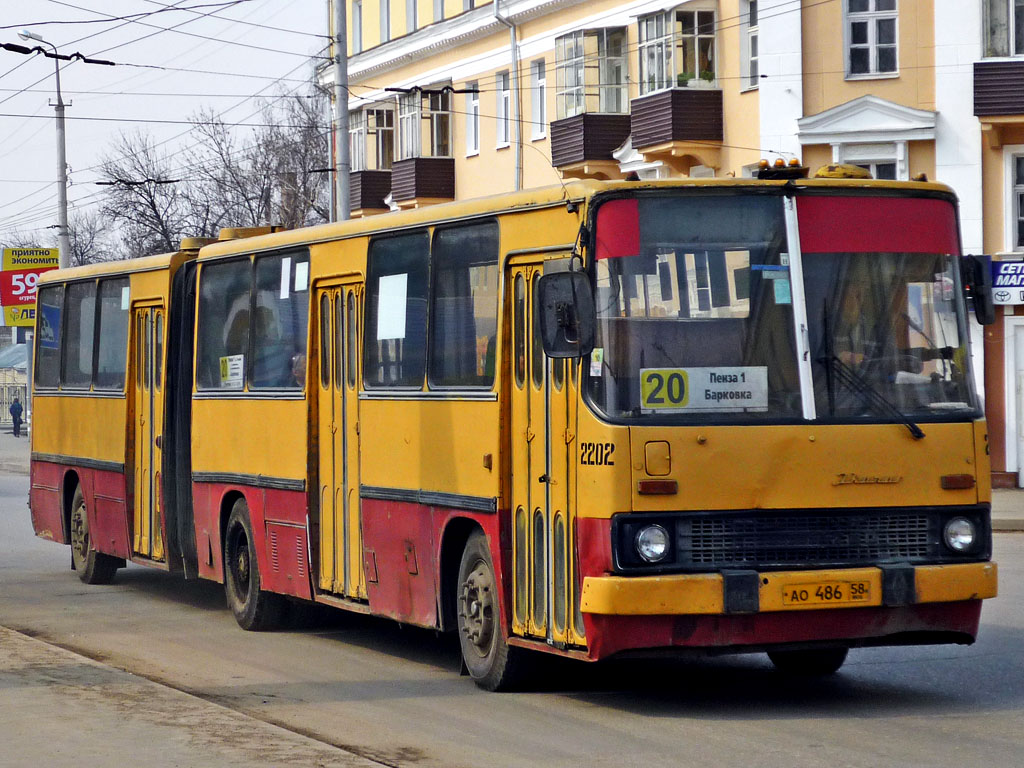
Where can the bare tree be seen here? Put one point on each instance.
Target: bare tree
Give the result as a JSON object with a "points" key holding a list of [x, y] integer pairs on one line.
{"points": [[227, 178], [90, 239], [149, 209]]}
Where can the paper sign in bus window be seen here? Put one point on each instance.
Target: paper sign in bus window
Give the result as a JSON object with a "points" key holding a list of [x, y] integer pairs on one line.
{"points": [[286, 273], [232, 371], [704, 389], [301, 275], [391, 300]]}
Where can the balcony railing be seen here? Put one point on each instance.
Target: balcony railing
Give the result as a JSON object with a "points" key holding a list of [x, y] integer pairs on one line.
{"points": [[676, 114], [367, 190], [423, 178], [587, 137], [998, 88]]}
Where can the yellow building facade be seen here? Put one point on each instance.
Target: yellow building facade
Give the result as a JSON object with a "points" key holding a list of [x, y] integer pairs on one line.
{"points": [[452, 99]]}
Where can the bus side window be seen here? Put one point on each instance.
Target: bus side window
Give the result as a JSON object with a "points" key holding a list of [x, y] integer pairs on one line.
{"points": [[394, 344], [223, 332], [79, 327], [464, 306], [48, 333], [112, 344]]}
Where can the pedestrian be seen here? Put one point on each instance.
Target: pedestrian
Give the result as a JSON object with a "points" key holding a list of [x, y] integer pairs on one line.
{"points": [[15, 410]]}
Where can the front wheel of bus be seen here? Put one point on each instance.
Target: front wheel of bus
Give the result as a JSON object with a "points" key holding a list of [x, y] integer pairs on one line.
{"points": [[253, 608], [92, 567], [491, 663], [811, 663]]}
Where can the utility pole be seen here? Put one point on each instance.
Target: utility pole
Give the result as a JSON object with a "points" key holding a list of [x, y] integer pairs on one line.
{"points": [[342, 165], [63, 234]]}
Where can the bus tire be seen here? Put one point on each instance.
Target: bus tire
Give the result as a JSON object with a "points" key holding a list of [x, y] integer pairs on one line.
{"points": [[492, 664], [91, 566], [254, 609], [809, 663]]}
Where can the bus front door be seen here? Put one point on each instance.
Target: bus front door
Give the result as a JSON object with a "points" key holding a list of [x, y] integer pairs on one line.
{"points": [[147, 526], [337, 386], [541, 436]]}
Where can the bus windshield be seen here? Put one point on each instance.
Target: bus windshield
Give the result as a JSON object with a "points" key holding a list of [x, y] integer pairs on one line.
{"points": [[692, 301], [695, 320], [885, 307]]}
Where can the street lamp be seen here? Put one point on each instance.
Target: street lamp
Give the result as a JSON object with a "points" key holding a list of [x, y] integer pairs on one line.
{"points": [[63, 238]]}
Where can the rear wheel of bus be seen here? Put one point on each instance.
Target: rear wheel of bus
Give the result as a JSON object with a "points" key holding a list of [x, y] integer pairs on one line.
{"points": [[253, 608], [809, 663], [492, 664], [92, 567]]}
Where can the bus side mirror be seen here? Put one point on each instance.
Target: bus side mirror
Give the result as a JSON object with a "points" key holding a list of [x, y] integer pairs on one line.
{"points": [[976, 272], [566, 314]]}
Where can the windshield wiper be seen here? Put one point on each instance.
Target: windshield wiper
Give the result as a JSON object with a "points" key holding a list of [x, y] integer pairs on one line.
{"points": [[837, 370], [845, 375]]}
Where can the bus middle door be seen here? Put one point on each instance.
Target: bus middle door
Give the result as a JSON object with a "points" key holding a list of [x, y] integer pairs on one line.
{"points": [[340, 521], [147, 523]]}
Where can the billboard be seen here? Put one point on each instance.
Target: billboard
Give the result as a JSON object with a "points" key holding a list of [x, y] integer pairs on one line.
{"points": [[21, 270]]}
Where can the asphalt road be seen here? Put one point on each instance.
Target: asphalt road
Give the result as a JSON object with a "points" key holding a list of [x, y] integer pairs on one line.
{"points": [[393, 695]]}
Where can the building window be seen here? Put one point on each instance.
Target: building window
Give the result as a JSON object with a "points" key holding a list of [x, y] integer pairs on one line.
{"points": [[1004, 27], [753, 68], [468, 5], [882, 170], [357, 26], [372, 135], [503, 108], [871, 33], [472, 119], [1018, 202], [385, 20], [409, 138], [539, 99], [677, 50], [357, 140], [438, 10], [440, 103], [410, 15], [590, 72]]}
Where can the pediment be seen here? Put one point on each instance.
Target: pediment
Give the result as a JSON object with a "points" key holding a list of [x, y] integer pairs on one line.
{"points": [[867, 118]]}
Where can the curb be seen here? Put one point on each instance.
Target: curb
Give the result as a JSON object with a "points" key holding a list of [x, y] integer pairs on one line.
{"points": [[1007, 525]]}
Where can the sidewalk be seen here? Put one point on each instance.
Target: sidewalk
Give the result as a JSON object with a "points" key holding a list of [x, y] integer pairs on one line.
{"points": [[60, 709], [1007, 504]]}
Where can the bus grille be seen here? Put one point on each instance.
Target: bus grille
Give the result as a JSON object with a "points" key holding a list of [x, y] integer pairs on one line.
{"points": [[793, 539], [783, 540]]}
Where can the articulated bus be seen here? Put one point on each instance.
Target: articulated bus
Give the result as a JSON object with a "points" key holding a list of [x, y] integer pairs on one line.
{"points": [[596, 420]]}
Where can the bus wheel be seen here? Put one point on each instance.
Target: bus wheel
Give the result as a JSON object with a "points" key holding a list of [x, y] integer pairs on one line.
{"points": [[491, 663], [253, 608], [816, 663], [92, 567]]}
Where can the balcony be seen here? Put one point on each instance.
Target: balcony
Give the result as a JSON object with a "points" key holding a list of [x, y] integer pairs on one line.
{"points": [[367, 190], [582, 145], [998, 97], [676, 126], [419, 181]]}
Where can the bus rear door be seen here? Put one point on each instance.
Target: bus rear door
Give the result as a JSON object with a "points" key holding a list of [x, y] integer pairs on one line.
{"points": [[340, 521]]}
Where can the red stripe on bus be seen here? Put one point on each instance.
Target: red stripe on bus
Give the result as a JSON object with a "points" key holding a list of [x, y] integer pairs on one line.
{"points": [[876, 225]]}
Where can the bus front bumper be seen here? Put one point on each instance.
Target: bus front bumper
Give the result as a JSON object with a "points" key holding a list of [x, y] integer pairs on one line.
{"points": [[747, 592]]}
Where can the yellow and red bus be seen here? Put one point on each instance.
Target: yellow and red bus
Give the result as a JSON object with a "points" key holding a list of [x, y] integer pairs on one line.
{"points": [[718, 416]]}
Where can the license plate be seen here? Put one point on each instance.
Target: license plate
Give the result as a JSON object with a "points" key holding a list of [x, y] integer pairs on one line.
{"points": [[827, 593]]}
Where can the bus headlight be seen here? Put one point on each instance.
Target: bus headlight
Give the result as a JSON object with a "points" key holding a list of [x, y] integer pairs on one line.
{"points": [[652, 543], [959, 534]]}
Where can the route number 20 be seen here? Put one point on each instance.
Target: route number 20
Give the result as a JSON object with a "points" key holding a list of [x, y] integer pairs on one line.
{"points": [[665, 389]]}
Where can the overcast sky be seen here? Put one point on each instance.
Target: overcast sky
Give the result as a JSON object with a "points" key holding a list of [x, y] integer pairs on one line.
{"points": [[167, 70]]}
